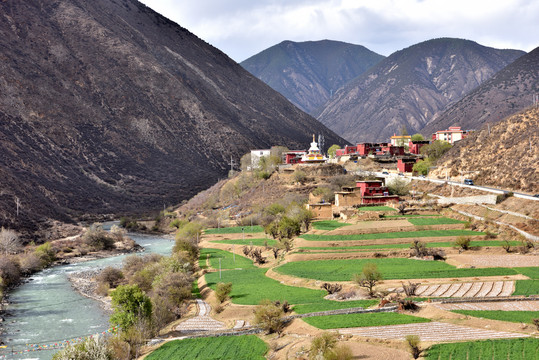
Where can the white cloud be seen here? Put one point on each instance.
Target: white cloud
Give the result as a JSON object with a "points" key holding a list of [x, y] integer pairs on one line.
{"points": [[242, 28]]}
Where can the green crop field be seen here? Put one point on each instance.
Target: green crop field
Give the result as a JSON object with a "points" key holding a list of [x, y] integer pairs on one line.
{"points": [[392, 235], [247, 242], [392, 268], [531, 272], [244, 347], [410, 216], [433, 221], [328, 224], [407, 245], [333, 305], [362, 320], [227, 259], [511, 316], [526, 287], [235, 230], [376, 208], [506, 349]]}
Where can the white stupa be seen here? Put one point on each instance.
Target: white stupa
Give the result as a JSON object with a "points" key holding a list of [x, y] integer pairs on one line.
{"points": [[314, 155]]}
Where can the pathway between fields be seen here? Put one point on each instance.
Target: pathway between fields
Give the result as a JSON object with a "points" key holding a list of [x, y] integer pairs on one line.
{"points": [[201, 322], [433, 331]]}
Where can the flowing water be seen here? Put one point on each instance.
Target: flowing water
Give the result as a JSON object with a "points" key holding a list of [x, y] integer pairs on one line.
{"points": [[46, 310]]}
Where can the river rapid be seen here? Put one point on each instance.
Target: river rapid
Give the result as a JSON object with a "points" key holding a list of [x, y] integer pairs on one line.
{"points": [[46, 310]]}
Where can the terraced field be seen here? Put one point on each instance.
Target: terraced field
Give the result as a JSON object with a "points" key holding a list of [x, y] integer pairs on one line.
{"points": [[467, 289]]}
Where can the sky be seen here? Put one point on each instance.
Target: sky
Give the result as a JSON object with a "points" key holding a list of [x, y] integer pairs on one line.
{"points": [[243, 28]]}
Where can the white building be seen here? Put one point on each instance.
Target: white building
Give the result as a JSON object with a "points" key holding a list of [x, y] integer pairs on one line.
{"points": [[256, 155]]}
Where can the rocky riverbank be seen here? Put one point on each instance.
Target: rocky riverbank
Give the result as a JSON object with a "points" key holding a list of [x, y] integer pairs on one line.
{"points": [[85, 283]]}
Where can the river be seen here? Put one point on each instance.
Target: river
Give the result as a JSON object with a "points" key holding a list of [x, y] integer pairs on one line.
{"points": [[46, 310]]}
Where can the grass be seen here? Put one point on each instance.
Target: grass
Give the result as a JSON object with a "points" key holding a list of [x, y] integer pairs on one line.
{"points": [[333, 305], [246, 242], [511, 316], [526, 287], [249, 286], [362, 320], [433, 221], [507, 349], [407, 245], [225, 347], [234, 230], [227, 259], [392, 268], [392, 235], [328, 224], [410, 216], [195, 290], [376, 208]]}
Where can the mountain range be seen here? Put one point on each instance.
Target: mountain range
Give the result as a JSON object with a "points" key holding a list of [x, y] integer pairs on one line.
{"points": [[410, 87], [308, 73], [509, 91], [107, 107]]}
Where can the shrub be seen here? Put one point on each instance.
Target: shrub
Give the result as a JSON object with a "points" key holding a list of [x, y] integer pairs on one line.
{"points": [[331, 288], [398, 187], [97, 238], [506, 246], [463, 242], [93, 348], [256, 254], [46, 254], [413, 344], [269, 317], [300, 176], [9, 271], [322, 346], [408, 305], [9, 241], [30, 263], [174, 289], [411, 288], [536, 323], [222, 291], [111, 276]]}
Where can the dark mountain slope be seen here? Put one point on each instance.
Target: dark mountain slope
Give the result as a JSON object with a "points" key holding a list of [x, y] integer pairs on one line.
{"points": [[509, 91], [307, 73], [410, 87], [108, 107]]}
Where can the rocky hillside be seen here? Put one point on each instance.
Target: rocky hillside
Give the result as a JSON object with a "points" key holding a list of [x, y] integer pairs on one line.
{"points": [[509, 91], [408, 88], [108, 107], [507, 157], [308, 73]]}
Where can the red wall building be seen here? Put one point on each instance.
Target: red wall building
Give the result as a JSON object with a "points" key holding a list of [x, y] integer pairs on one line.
{"points": [[373, 192], [405, 165], [415, 146], [294, 157]]}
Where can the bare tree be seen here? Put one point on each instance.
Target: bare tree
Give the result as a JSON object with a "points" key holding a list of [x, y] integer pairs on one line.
{"points": [[9, 241]]}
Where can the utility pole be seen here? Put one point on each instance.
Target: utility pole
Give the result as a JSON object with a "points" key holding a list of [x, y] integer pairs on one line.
{"points": [[232, 163], [18, 204]]}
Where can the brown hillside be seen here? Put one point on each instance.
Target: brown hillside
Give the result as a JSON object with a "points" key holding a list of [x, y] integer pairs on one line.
{"points": [[505, 157]]}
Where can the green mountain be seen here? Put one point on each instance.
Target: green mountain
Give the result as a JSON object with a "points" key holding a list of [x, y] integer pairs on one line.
{"points": [[308, 73], [410, 87]]}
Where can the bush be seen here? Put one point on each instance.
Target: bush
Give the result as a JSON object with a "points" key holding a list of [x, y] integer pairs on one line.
{"points": [[398, 187], [46, 254], [300, 176], [322, 346], [413, 344], [463, 242], [331, 288], [30, 263], [9, 241], [411, 288], [9, 271], [222, 291], [97, 238], [93, 348], [111, 276], [130, 305], [268, 317]]}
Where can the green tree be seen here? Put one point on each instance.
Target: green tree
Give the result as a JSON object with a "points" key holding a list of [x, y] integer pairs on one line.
{"points": [[245, 162], [436, 149], [130, 305], [418, 137], [222, 291], [369, 277], [269, 317], [46, 254], [288, 227], [422, 166], [333, 150]]}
